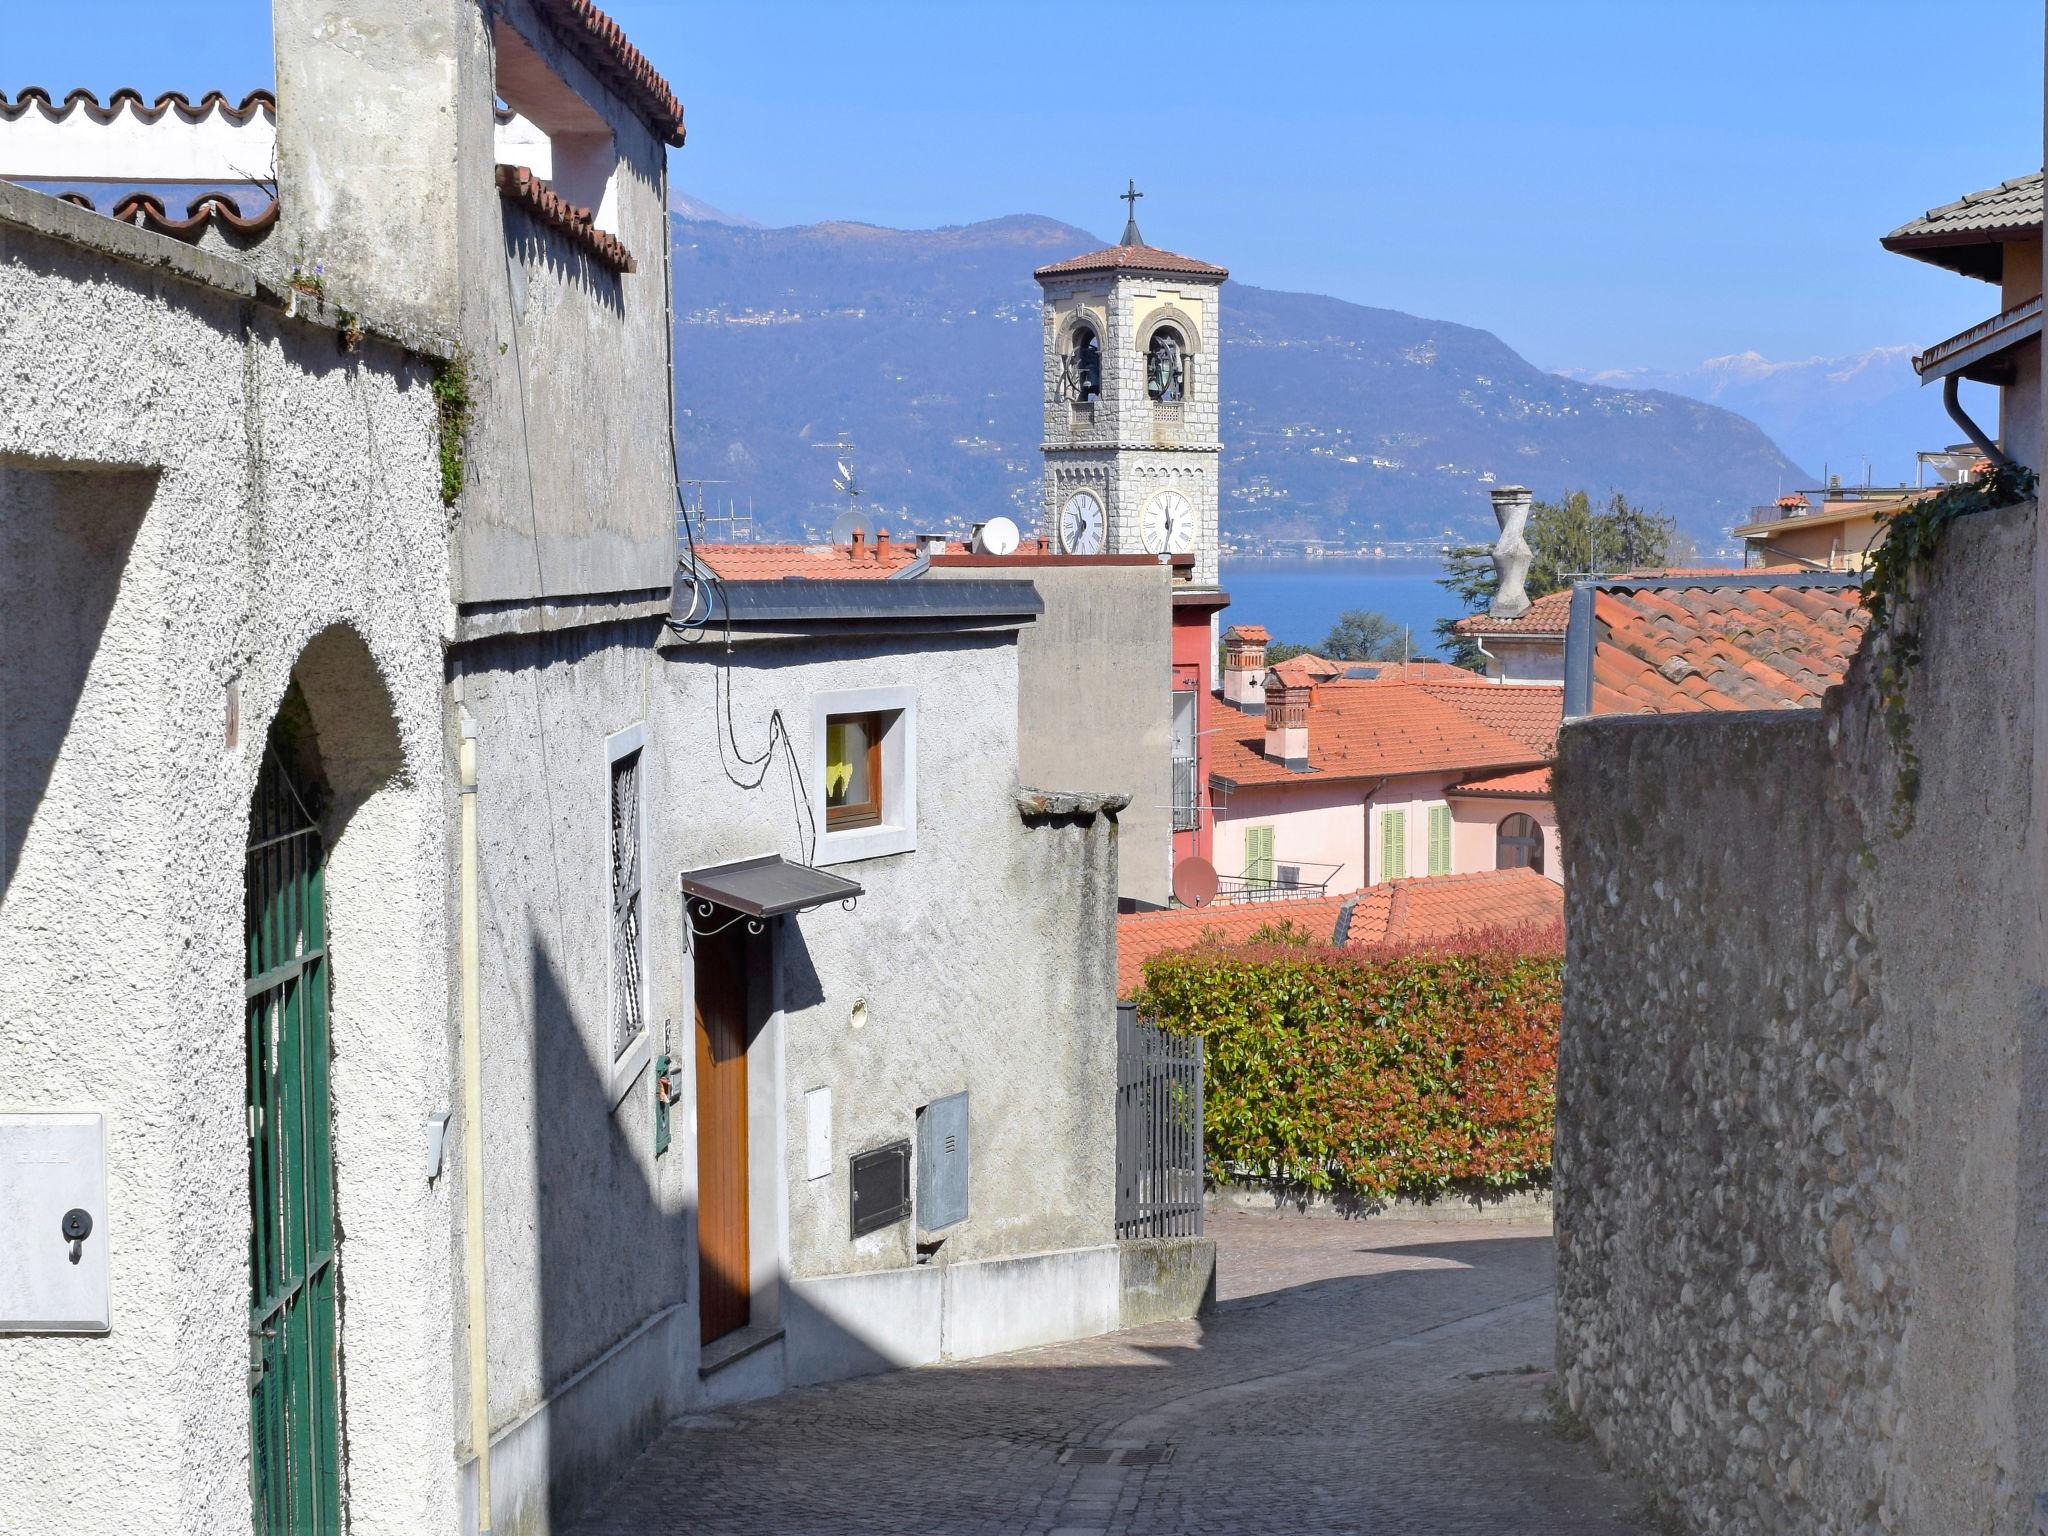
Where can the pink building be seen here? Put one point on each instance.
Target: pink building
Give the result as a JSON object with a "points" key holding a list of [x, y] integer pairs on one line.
{"points": [[1354, 781]]}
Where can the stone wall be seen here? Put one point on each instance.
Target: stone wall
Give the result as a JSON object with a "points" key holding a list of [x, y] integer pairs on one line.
{"points": [[1796, 1291]]}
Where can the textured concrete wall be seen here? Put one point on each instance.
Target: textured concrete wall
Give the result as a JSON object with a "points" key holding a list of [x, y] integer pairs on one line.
{"points": [[1094, 682], [198, 495], [1800, 1092]]}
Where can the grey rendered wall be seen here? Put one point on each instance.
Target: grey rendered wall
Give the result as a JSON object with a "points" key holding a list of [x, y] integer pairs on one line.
{"points": [[386, 149], [1800, 1092], [986, 956], [1094, 703], [196, 493]]}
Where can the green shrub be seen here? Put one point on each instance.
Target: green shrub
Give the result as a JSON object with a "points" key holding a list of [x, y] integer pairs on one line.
{"points": [[1378, 1072]]}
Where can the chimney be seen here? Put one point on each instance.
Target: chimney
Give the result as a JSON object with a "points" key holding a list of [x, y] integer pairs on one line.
{"points": [[1287, 722], [1244, 667], [853, 549], [929, 544], [882, 544], [1511, 555]]}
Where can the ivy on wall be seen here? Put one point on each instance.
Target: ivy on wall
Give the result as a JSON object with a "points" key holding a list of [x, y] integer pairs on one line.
{"points": [[1913, 532], [1374, 1072], [452, 407]]}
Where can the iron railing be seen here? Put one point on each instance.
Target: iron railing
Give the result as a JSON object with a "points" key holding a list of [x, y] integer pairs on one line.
{"points": [[1186, 812], [1288, 882], [1158, 1129]]}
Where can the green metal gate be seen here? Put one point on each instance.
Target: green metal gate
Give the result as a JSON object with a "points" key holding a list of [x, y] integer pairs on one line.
{"points": [[294, 1397]]}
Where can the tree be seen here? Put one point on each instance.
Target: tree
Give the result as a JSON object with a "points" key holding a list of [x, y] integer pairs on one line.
{"points": [[1365, 634], [1567, 539]]}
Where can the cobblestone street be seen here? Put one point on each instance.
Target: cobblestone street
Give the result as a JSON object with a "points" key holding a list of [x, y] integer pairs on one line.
{"points": [[1372, 1377]]}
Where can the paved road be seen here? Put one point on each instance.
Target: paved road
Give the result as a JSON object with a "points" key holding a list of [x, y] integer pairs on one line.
{"points": [[1383, 1377]]}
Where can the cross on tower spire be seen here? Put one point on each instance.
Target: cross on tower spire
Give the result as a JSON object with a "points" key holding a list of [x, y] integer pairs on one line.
{"points": [[1130, 195]]}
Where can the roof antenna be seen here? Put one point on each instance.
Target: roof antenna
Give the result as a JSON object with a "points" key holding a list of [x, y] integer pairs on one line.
{"points": [[1130, 195]]}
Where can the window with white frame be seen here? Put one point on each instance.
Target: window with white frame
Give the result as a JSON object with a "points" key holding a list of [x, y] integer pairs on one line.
{"points": [[627, 1032], [863, 773]]}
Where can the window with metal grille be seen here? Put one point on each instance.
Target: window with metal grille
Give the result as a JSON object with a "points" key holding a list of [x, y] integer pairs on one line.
{"points": [[626, 1008]]}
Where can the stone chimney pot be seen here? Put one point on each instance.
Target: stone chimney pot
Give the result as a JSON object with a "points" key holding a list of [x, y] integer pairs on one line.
{"points": [[1287, 722], [1244, 667], [1511, 554]]}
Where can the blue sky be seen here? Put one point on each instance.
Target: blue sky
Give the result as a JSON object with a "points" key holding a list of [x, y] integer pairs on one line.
{"points": [[1604, 183]]}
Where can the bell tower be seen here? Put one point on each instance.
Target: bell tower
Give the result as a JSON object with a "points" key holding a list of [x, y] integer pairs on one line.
{"points": [[1131, 401]]}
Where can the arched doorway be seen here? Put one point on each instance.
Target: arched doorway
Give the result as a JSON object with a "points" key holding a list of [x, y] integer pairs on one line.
{"points": [[1518, 843], [294, 1280]]}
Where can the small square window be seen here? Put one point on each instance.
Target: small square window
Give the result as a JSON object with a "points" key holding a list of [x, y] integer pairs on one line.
{"points": [[853, 771]]}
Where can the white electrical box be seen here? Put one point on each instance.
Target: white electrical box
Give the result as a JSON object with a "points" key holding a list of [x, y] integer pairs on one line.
{"points": [[53, 1223]]}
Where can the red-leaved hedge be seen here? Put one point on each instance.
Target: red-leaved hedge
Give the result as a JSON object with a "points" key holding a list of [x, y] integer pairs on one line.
{"points": [[1380, 1072]]}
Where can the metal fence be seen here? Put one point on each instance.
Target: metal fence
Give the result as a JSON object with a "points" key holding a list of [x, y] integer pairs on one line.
{"points": [[1158, 1130]]}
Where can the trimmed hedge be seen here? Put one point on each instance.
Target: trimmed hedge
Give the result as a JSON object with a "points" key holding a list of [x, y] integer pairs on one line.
{"points": [[1381, 1072]]}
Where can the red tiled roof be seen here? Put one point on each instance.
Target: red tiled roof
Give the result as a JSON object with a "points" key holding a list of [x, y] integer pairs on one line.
{"points": [[1362, 730], [1522, 784], [1311, 668], [600, 43], [1671, 648], [1547, 615], [147, 210], [521, 186], [1305, 668], [1132, 258], [826, 562], [1254, 632], [145, 109], [1529, 712], [1427, 669], [1426, 909]]}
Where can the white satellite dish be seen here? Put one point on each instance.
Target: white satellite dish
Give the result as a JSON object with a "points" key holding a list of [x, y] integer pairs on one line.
{"points": [[997, 536], [847, 524]]}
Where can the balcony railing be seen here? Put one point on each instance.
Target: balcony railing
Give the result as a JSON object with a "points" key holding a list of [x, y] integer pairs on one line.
{"points": [[1186, 806], [1288, 882]]}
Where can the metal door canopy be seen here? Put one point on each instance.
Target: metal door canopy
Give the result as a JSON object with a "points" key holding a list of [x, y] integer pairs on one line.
{"points": [[942, 1163], [767, 887], [50, 1164]]}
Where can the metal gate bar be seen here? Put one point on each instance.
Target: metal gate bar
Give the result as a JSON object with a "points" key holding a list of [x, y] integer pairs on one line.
{"points": [[1158, 1129]]}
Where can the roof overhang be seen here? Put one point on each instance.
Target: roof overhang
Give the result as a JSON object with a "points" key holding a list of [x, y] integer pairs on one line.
{"points": [[1983, 352], [703, 606], [766, 887]]}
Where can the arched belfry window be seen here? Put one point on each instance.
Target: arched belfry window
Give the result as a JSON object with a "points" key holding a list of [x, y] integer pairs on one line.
{"points": [[1084, 364], [1518, 844], [1166, 365]]}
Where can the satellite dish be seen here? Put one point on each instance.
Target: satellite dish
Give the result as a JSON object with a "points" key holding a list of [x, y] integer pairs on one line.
{"points": [[847, 524], [1194, 882], [998, 536]]}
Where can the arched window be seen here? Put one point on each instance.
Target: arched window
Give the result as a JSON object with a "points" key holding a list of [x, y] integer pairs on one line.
{"points": [[1519, 844], [1084, 365], [1166, 365]]}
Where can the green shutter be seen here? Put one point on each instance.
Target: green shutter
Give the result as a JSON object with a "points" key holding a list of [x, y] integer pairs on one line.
{"points": [[1258, 853], [1439, 839], [1393, 845]]}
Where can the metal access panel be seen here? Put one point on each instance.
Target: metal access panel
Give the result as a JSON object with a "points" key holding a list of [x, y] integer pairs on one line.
{"points": [[881, 1187], [53, 1223], [942, 1163]]}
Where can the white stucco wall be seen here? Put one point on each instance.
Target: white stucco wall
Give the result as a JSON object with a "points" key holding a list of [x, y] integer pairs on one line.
{"points": [[1475, 826], [1313, 824], [192, 489]]}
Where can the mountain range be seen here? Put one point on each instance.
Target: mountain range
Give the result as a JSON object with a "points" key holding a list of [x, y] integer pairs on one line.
{"points": [[920, 349], [1860, 414]]}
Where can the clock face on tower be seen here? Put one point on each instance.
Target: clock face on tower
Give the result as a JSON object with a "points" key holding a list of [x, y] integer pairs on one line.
{"points": [[1081, 524], [1168, 526]]}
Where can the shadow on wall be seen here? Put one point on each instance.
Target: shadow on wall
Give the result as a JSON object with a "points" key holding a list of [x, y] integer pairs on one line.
{"points": [[64, 550]]}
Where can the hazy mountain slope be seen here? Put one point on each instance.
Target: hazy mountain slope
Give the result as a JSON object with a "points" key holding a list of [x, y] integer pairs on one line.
{"points": [[923, 347], [1830, 413]]}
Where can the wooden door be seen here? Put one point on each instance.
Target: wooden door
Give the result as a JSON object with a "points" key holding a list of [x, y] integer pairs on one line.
{"points": [[722, 1286]]}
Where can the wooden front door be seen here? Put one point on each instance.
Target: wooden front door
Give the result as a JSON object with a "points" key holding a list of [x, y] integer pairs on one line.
{"points": [[294, 1392], [722, 1287]]}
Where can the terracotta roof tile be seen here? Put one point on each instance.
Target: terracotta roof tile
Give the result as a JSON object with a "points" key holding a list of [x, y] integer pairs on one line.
{"points": [[1680, 647], [825, 562], [1252, 632], [148, 111], [1362, 730], [1547, 615], [1522, 784], [1529, 712], [209, 208], [601, 44], [1132, 258], [521, 186], [1429, 909]]}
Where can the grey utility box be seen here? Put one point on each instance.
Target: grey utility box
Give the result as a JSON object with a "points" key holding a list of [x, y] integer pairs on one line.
{"points": [[942, 1163], [53, 1223]]}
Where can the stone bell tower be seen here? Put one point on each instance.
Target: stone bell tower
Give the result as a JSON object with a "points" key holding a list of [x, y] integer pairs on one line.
{"points": [[1131, 401]]}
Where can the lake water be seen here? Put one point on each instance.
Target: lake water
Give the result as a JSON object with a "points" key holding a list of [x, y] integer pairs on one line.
{"points": [[1299, 600]]}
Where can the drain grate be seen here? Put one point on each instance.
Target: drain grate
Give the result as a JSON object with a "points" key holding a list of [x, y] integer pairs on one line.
{"points": [[1115, 1455]]}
